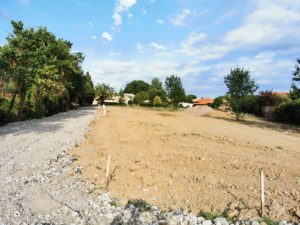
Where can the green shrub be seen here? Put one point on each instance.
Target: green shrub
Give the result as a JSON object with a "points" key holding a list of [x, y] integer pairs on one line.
{"points": [[289, 112], [249, 104], [140, 97], [218, 102], [208, 215], [157, 101], [269, 98]]}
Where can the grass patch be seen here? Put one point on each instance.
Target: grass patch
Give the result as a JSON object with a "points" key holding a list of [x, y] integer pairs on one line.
{"points": [[208, 215], [269, 221], [114, 203]]}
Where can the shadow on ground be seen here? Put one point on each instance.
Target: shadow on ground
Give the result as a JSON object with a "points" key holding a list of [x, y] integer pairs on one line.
{"points": [[260, 123], [48, 124]]}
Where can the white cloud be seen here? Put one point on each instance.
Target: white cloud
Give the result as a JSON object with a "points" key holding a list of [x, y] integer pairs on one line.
{"points": [[107, 36], [140, 48], [156, 46], [180, 19], [272, 21], [150, 47], [115, 54], [130, 15], [93, 37], [151, 1], [122, 6], [259, 30], [225, 16], [91, 24], [194, 38], [160, 21]]}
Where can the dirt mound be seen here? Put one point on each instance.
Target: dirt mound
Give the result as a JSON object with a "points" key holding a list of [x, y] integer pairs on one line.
{"points": [[203, 110]]}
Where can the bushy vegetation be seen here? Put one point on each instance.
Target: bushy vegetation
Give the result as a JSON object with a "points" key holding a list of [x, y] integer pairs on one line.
{"points": [[103, 92], [155, 94], [40, 74], [190, 98], [157, 101], [289, 112], [218, 102], [208, 215], [240, 85], [174, 89]]}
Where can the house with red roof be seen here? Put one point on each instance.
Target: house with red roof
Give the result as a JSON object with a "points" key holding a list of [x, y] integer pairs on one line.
{"points": [[203, 101]]}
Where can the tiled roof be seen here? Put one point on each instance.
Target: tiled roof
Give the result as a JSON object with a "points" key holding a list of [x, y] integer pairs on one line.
{"points": [[203, 101]]}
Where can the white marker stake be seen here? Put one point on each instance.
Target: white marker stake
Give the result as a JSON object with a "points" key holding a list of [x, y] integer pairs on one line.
{"points": [[104, 111], [262, 192], [107, 166]]}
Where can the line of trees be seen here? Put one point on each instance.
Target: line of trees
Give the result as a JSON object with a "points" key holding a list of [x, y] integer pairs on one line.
{"points": [[157, 94], [242, 98], [40, 75]]}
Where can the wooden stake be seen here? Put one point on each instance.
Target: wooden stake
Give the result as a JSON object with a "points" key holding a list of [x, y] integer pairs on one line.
{"points": [[107, 166], [262, 193]]}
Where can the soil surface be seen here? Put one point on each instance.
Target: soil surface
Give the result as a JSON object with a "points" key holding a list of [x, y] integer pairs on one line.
{"points": [[200, 163]]}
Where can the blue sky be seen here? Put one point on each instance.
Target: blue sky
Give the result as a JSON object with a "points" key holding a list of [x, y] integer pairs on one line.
{"points": [[199, 40]]}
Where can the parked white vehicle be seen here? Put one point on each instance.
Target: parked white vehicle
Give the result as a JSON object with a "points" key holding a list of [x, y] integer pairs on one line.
{"points": [[185, 105]]}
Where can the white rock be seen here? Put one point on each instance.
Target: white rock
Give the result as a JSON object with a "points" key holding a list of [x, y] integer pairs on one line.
{"points": [[221, 221], [206, 222]]}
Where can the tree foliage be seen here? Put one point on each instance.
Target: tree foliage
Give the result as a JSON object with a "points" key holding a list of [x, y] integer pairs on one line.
{"points": [[190, 98], [157, 101], [141, 97], [88, 91], [104, 91], [136, 86], [295, 92], [43, 74], [156, 89], [174, 89], [240, 85]]}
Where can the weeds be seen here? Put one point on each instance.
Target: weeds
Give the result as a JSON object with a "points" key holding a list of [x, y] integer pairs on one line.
{"points": [[114, 203], [269, 221], [208, 215]]}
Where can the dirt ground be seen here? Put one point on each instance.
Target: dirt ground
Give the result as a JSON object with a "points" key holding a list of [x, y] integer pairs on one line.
{"points": [[200, 163]]}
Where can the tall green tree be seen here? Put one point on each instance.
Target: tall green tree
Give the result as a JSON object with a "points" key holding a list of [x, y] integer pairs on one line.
{"points": [[87, 92], [175, 90], [16, 56], [44, 74], [295, 92], [156, 89], [136, 86], [104, 91], [240, 85]]}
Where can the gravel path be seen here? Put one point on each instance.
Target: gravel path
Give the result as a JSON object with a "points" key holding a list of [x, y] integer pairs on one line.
{"points": [[33, 159]]}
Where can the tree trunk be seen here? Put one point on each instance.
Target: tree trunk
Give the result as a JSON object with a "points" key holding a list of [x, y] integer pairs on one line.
{"points": [[11, 105], [22, 101]]}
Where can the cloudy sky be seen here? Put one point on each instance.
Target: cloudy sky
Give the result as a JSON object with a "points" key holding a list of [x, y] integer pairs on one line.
{"points": [[199, 40]]}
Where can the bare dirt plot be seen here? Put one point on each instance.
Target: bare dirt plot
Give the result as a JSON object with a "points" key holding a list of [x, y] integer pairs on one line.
{"points": [[178, 159]]}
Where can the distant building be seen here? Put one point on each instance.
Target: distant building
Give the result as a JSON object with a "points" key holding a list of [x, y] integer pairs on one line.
{"points": [[185, 105], [128, 97], [203, 101]]}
